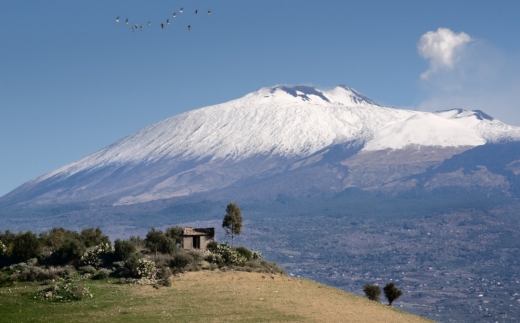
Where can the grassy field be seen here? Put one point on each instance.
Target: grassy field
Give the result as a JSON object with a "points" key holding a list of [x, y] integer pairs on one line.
{"points": [[203, 296]]}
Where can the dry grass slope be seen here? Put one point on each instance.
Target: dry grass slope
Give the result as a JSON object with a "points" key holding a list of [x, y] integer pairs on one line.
{"points": [[206, 297]]}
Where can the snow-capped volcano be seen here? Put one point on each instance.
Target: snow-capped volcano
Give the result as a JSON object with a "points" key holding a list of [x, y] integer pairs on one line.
{"points": [[261, 133]]}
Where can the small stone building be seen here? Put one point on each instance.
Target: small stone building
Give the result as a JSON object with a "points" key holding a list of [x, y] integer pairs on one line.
{"points": [[197, 238]]}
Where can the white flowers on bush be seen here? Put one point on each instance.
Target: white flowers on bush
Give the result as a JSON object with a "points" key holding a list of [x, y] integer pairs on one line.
{"points": [[93, 257], [3, 249], [224, 255], [146, 268]]}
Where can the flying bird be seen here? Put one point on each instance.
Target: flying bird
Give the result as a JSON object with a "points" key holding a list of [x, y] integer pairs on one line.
{"points": [[117, 19], [149, 23], [141, 28], [182, 9], [126, 21], [162, 26], [167, 21], [197, 11], [174, 15], [189, 27], [209, 12]]}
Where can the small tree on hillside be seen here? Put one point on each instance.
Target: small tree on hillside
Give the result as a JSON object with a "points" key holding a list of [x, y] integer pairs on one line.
{"points": [[373, 292], [232, 222], [175, 233], [392, 293]]}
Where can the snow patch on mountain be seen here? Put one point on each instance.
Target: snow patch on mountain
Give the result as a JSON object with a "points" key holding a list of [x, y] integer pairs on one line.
{"points": [[424, 129]]}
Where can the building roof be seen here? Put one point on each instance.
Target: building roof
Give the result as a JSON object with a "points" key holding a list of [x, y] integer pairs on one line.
{"points": [[187, 231]]}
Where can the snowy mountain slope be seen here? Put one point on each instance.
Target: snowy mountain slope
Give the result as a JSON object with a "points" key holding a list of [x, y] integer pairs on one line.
{"points": [[266, 134]]}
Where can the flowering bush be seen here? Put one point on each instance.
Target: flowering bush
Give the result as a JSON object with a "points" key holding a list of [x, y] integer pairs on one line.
{"points": [[257, 255], [95, 256], [223, 255], [64, 292], [3, 249], [145, 269]]}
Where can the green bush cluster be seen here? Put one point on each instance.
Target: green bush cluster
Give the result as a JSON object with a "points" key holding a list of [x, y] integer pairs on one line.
{"points": [[223, 255], [66, 256], [64, 292]]}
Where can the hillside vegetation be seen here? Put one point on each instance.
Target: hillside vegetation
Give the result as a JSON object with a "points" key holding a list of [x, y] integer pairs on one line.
{"points": [[202, 296]]}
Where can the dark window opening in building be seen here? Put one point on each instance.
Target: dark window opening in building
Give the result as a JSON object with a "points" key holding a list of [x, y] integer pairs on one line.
{"points": [[196, 242]]}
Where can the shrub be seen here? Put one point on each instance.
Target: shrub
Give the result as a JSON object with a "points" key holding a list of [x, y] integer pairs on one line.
{"points": [[130, 266], [25, 246], [87, 269], [70, 251], [31, 273], [137, 241], [181, 260], [174, 233], [123, 249], [244, 252], [167, 282], [225, 256], [56, 237], [103, 273], [98, 256], [93, 237], [145, 269], [373, 292], [64, 292], [212, 246], [3, 249], [164, 273], [157, 241], [392, 293]]}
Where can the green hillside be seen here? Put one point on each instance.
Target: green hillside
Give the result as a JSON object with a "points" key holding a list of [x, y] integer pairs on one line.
{"points": [[202, 296]]}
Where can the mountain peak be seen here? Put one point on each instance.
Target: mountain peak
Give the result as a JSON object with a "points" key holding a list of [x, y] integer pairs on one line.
{"points": [[348, 96], [301, 91], [461, 113], [340, 94]]}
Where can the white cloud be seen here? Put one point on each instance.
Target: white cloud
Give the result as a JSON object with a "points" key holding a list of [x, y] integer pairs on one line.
{"points": [[441, 48], [485, 78]]}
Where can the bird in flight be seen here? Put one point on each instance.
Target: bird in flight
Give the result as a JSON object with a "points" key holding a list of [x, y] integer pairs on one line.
{"points": [[162, 24]]}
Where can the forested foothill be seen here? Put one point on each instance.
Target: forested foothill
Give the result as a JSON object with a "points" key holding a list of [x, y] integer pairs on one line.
{"points": [[60, 259]]}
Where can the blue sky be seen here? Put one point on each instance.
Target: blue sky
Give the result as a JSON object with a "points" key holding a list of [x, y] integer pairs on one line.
{"points": [[73, 81]]}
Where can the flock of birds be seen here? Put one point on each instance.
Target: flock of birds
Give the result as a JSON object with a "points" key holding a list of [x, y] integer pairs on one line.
{"points": [[163, 24]]}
